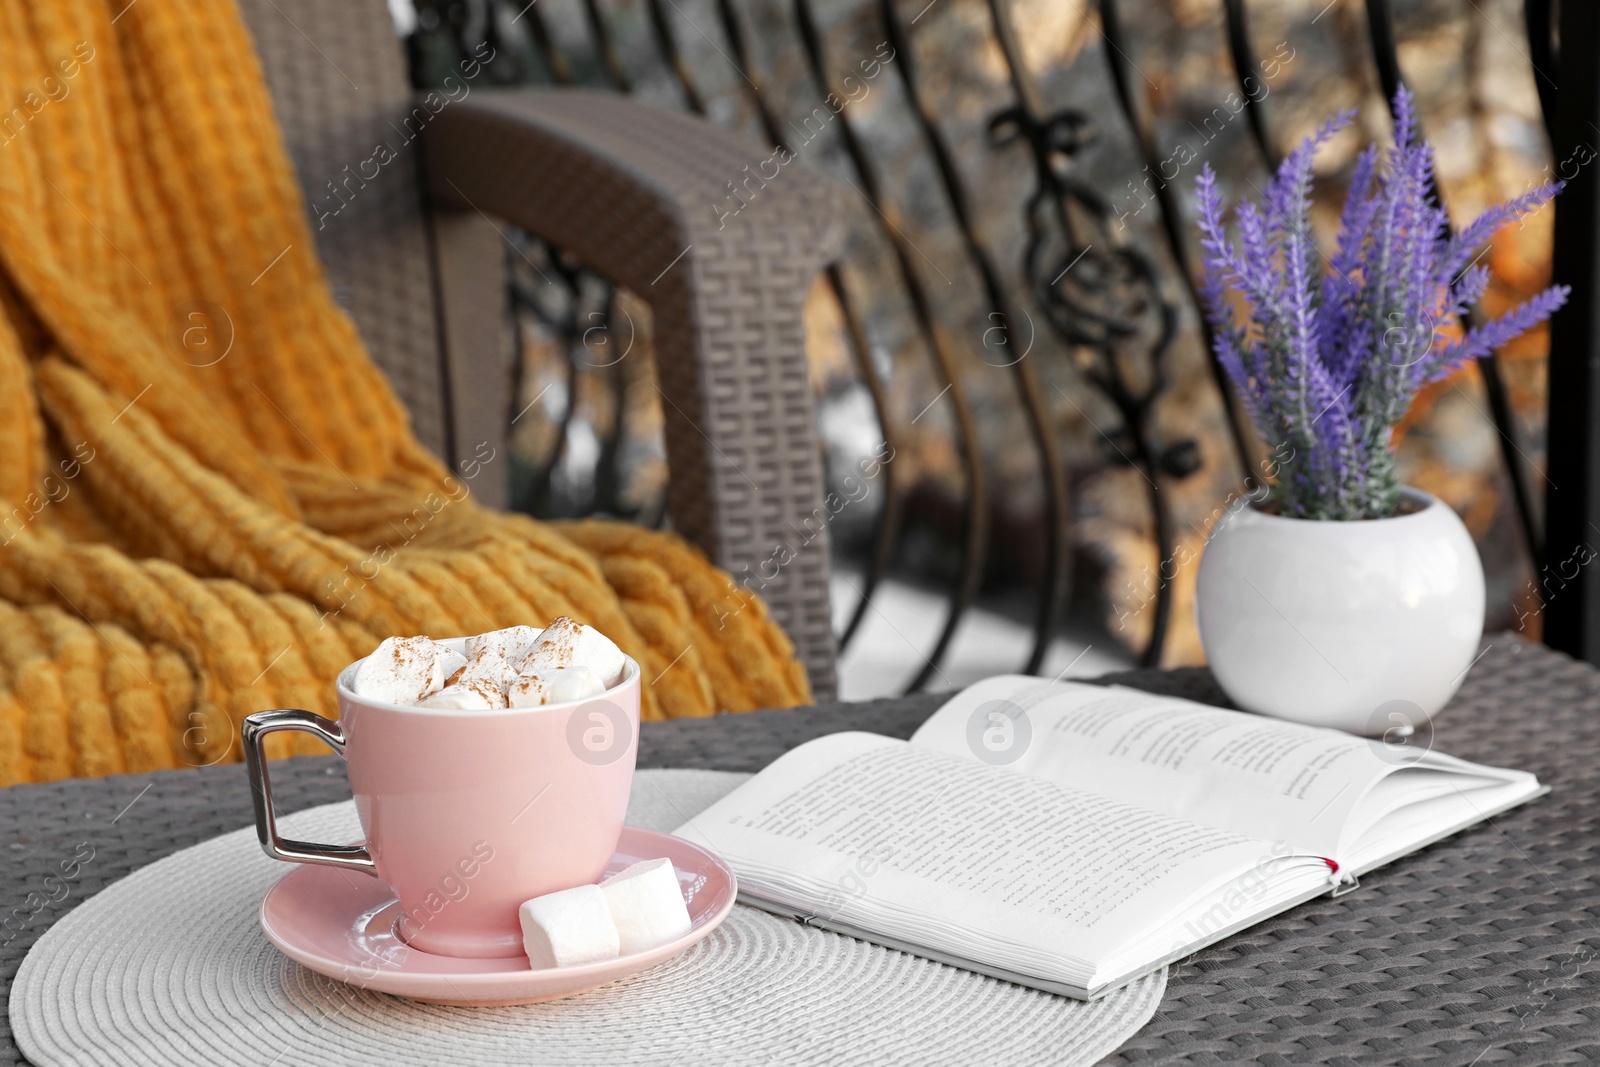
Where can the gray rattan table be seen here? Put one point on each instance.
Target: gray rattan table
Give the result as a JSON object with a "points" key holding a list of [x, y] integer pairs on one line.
{"points": [[1482, 949]]}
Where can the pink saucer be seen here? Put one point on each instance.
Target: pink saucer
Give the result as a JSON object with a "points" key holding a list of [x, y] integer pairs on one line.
{"points": [[342, 925]]}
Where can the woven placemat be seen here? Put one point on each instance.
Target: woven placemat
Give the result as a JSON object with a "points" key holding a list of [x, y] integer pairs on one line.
{"points": [[169, 967]]}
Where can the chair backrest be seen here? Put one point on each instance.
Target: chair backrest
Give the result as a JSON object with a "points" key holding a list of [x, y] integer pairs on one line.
{"points": [[338, 79], [427, 288]]}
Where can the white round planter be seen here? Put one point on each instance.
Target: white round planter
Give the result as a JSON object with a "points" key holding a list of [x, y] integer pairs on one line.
{"points": [[1328, 622]]}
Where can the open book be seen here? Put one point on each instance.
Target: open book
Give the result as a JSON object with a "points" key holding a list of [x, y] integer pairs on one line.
{"points": [[1073, 837]]}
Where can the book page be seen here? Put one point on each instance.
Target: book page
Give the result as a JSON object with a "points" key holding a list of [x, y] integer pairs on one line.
{"points": [[945, 852], [1232, 770]]}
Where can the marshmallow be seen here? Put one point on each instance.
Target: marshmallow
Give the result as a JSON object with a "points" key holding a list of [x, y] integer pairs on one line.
{"points": [[554, 686], [486, 680], [565, 643], [519, 666], [569, 927], [529, 690], [507, 647], [405, 670], [458, 698], [646, 905]]}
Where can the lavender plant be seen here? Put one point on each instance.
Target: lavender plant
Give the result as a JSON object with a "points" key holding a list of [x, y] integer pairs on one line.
{"points": [[1334, 349]]}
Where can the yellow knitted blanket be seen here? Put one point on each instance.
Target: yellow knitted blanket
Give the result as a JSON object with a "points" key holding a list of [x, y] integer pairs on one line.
{"points": [[183, 544]]}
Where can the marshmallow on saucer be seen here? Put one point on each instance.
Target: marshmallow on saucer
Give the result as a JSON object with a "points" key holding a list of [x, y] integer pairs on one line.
{"points": [[565, 643], [553, 686], [646, 905], [569, 927], [405, 670]]}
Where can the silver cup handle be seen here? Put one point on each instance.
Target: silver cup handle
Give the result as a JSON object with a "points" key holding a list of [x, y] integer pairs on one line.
{"points": [[255, 729]]}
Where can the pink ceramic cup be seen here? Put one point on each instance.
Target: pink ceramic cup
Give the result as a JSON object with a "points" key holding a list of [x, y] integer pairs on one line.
{"points": [[468, 813]]}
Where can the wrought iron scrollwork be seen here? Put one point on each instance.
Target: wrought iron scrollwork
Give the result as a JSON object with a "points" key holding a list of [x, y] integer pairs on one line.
{"points": [[568, 302], [1102, 297], [975, 526], [1035, 409], [577, 309]]}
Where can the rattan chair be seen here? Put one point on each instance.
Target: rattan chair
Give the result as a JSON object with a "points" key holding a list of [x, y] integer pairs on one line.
{"points": [[412, 247]]}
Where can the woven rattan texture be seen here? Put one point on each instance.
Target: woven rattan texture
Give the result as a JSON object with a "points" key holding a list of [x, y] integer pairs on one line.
{"points": [[641, 195], [338, 82], [1480, 949], [480, 347]]}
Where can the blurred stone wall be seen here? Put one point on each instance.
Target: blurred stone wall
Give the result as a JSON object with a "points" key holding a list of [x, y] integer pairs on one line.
{"points": [[1467, 62]]}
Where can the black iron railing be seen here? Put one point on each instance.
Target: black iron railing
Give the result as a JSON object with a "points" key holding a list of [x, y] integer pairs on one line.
{"points": [[1108, 310]]}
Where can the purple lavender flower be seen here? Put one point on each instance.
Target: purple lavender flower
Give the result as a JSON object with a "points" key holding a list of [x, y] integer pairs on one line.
{"points": [[1333, 350]]}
